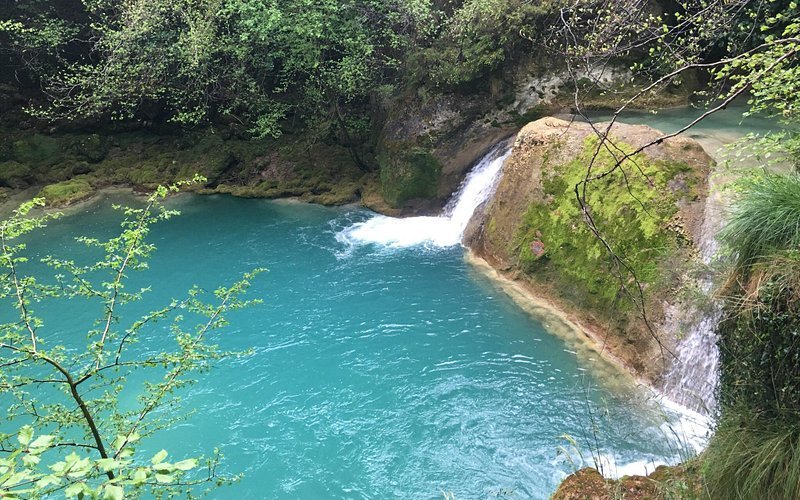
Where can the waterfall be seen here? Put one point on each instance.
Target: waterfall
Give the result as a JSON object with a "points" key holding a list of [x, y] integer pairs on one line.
{"points": [[441, 231], [692, 380]]}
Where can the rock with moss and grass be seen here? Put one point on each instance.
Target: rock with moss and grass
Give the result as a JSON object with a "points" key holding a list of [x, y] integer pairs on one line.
{"points": [[681, 482], [649, 211], [66, 193], [71, 164]]}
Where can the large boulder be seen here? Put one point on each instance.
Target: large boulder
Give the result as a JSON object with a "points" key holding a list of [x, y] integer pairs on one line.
{"points": [[648, 211]]}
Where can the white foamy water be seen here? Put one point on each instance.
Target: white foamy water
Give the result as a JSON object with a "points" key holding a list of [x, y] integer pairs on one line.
{"points": [[689, 431], [692, 381], [443, 231]]}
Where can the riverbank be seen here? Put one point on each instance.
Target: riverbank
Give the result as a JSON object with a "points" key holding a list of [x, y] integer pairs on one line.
{"points": [[586, 341]]}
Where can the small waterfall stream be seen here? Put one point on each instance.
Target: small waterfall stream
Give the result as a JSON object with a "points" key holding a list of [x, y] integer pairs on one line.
{"points": [[442, 231], [694, 375], [691, 381]]}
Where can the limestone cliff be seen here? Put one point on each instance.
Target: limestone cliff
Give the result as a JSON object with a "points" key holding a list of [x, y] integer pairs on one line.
{"points": [[649, 211]]}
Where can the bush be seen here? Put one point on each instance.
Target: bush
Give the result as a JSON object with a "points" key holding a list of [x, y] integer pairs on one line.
{"points": [[753, 457], [755, 453], [760, 335]]}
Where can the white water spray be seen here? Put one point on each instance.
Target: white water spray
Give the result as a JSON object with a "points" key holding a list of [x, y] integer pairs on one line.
{"points": [[443, 231], [692, 380]]}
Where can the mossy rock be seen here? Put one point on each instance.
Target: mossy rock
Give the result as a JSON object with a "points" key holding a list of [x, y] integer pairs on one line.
{"points": [[632, 207], [66, 193], [585, 484], [37, 150], [92, 148], [15, 175], [408, 175], [152, 171], [649, 210]]}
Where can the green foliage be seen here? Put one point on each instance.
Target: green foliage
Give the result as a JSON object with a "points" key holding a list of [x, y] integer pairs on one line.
{"points": [[66, 193], [772, 78], [254, 61], [74, 438], [760, 343], [258, 60], [37, 33], [760, 337], [753, 458], [632, 207], [476, 39], [765, 218], [409, 175]]}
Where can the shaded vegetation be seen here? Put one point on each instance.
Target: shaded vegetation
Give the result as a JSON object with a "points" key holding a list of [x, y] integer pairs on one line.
{"points": [[407, 175], [752, 457], [755, 452]]}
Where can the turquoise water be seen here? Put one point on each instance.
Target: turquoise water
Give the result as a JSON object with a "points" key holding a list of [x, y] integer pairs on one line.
{"points": [[375, 373]]}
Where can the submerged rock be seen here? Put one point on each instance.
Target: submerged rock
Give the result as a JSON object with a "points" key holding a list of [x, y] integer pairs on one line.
{"points": [[648, 210]]}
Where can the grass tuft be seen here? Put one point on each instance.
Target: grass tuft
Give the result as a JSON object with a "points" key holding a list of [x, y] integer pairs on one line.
{"points": [[765, 219], [751, 457]]}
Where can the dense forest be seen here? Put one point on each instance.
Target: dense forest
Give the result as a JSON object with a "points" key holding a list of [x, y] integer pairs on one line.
{"points": [[387, 103]]}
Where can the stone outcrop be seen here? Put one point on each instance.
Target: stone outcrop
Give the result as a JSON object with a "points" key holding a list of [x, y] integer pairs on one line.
{"points": [[663, 483], [648, 210], [431, 138]]}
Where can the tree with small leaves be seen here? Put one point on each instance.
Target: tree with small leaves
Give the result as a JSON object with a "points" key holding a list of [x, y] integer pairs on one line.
{"points": [[71, 433]]}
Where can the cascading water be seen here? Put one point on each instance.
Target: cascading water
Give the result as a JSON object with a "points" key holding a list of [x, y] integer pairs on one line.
{"points": [[442, 231], [448, 229], [692, 380]]}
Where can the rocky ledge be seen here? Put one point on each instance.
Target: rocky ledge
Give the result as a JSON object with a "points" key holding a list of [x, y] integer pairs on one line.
{"points": [[649, 211]]}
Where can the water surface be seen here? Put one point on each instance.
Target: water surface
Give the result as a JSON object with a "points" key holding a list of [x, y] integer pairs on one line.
{"points": [[375, 372]]}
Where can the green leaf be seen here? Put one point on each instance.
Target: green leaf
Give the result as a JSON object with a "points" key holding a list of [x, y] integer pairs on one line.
{"points": [[113, 492], [185, 465], [139, 476], [41, 443], [164, 468], [74, 489], [58, 467], [159, 457], [107, 464], [30, 460], [25, 435], [48, 480], [17, 478], [164, 478]]}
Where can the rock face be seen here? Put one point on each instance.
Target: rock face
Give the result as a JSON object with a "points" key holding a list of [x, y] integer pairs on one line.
{"points": [[430, 139], [648, 210], [663, 483]]}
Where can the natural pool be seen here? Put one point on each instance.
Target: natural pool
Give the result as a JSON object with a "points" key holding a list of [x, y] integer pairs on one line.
{"points": [[375, 372]]}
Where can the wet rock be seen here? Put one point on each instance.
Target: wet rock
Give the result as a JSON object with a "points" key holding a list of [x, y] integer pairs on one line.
{"points": [[92, 148], [648, 209], [15, 175]]}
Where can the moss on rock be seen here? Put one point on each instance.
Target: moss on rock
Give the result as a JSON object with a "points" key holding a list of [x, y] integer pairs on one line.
{"points": [[67, 192], [632, 207], [649, 210], [92, 148], [662, 484], [15, 175], [408, 175], [37, 151]]}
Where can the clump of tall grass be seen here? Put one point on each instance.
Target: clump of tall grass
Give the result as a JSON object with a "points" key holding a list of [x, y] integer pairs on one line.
{"points": [[753, 458], [755, 452], [765, 218]]}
